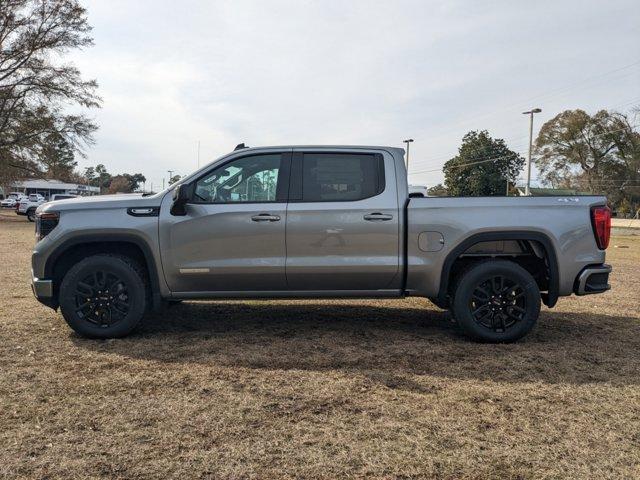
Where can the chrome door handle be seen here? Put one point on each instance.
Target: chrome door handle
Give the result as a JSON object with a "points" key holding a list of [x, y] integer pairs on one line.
{"points": [[265, 217], [378, 216]]}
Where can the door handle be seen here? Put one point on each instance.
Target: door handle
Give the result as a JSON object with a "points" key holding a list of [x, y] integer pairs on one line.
{"points": [[377, 216], [265, 217]]}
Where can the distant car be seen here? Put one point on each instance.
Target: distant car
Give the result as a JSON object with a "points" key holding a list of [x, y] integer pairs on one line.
{"points": [[61, 196], [27, 206], [12, 199]]}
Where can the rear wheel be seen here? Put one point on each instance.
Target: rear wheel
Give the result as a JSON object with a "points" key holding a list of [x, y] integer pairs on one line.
{"points": [[496, 301], [103, 296]]}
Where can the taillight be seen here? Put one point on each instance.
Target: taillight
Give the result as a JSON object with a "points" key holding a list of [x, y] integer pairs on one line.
{"points": [[45, 222], [601, 222]]}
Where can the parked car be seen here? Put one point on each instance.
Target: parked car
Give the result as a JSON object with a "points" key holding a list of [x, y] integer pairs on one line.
{"points": [[12, 199], [317, 222], [8, 202], [28, 205], [61, 196]]}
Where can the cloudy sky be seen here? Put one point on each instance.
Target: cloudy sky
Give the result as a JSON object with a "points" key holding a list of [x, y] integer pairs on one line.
{"points": [[277, 72]]}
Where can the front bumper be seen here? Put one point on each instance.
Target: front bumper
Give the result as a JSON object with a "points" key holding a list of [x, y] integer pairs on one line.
{"points": [[593, 279], [43, 291], [42, 288]]}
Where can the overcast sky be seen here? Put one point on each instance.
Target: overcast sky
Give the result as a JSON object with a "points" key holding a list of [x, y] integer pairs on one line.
{"points": [[346, 72]]}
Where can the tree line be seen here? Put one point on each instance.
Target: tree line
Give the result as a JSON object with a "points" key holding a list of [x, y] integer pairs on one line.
{"points": [[576, 151]]}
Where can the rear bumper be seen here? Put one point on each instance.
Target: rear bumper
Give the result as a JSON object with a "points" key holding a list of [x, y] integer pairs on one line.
{"points": [[593, 279]]}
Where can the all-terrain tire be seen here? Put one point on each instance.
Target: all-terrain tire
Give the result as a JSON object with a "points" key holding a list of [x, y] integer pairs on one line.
{"points": [[104, 296], [495, 301]]}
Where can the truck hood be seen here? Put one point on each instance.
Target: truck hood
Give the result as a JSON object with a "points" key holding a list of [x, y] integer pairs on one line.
{"points": [[102, 202]]}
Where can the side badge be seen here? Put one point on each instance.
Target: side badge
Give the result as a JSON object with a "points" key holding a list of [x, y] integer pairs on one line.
{"points": [[194, 270]]}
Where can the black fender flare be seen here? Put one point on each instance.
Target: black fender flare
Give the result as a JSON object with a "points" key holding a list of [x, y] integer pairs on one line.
{"points": [[151, 265], [549, 299]]}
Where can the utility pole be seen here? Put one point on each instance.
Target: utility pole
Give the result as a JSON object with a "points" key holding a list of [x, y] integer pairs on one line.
{"points": [[408, 141], [170, 175], [198, 153], [527, 190]]}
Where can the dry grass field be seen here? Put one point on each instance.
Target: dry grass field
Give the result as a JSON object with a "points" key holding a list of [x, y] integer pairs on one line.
{"points": [[319, 389]]}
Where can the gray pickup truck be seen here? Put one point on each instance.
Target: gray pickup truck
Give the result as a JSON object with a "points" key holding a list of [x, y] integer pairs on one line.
{"points": [[316, 222]]}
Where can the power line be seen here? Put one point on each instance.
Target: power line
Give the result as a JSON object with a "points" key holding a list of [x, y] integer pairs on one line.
{"points": [[521, 142], [471, 163], [511, 154]]}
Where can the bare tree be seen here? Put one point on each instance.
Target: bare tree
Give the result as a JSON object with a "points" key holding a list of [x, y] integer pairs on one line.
{"points": [[37, 89]]}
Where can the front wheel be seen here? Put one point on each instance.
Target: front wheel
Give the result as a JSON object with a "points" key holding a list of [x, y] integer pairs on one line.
{"points": [[496, 301], [103, 296], [31, 215]]}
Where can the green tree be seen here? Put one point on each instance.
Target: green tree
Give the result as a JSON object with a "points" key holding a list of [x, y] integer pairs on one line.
{"points": [[37, 87], [103, 178], [134, 180], [120, 184], [438, 190], [482, 167], [90, 175], [58, 158]]}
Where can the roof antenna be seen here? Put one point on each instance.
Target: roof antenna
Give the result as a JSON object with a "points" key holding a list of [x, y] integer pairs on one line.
{"points": [[240, 146]]}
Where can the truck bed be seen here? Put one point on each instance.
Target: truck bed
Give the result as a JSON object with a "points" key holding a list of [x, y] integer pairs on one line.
{"points": [[441, 227]]}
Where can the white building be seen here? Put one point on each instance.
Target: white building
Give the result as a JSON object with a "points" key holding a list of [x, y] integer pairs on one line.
{"points": [[46, 188]]}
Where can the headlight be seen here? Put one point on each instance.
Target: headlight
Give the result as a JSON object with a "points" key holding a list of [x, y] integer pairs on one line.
{"points": [[45, 222]]}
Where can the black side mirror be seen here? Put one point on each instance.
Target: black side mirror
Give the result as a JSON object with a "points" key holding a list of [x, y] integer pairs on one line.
{"points": [[181, 196]]}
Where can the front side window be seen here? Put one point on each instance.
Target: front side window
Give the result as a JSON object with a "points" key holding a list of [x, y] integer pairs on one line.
{"points": [[248, 179], [330, 177]]}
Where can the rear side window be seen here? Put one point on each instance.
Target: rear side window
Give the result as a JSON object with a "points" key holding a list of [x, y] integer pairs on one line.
{"points": [[341, 177]]}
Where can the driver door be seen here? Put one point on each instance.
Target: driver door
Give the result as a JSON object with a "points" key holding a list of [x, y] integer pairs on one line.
{"points": [[232, 237]]}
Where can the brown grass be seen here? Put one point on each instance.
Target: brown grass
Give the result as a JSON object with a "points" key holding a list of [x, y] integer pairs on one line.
{"points": [[319, 389]]}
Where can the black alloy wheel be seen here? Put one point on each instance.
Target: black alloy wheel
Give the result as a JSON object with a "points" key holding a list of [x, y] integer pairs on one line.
{"points": [[495, 301], [102, 298], [498, 303]]}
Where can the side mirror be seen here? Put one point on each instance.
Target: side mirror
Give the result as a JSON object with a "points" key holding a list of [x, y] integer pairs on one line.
{"points": [[181, 196]]}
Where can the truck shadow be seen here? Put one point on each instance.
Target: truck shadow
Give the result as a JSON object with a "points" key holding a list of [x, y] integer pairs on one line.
{"points": [[393, 345]]}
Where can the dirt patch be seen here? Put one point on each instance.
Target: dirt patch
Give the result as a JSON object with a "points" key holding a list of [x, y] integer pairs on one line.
{"points": [[319, 389]]}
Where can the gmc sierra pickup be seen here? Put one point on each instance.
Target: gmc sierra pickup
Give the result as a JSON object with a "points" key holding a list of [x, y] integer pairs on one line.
{"points": [[316, 222]]}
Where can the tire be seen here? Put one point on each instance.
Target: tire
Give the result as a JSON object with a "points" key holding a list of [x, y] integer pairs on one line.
{"points": [[31, 215], [495, 301], [112, 289]]}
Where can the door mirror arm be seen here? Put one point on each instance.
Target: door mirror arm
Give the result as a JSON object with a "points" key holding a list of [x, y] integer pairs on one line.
{"points": [[181, 195]]}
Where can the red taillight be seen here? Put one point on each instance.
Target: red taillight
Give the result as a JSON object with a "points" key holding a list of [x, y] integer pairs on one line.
{"points": [[601, 222]]}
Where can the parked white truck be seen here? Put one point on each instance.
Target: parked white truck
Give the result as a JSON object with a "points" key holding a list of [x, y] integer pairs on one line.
{"points": [[316, 222], [29, 204]]}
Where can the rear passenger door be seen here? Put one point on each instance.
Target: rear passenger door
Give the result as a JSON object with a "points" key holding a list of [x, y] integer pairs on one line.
{"points": [[342, 222]]}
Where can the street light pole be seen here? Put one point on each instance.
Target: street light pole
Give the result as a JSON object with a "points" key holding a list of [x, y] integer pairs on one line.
{"points": [[527, 189], [170, 175], [408, 141]]}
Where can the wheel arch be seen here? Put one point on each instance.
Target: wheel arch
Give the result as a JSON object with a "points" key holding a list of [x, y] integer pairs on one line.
{"points": [[549, 299], [73, 249]]}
